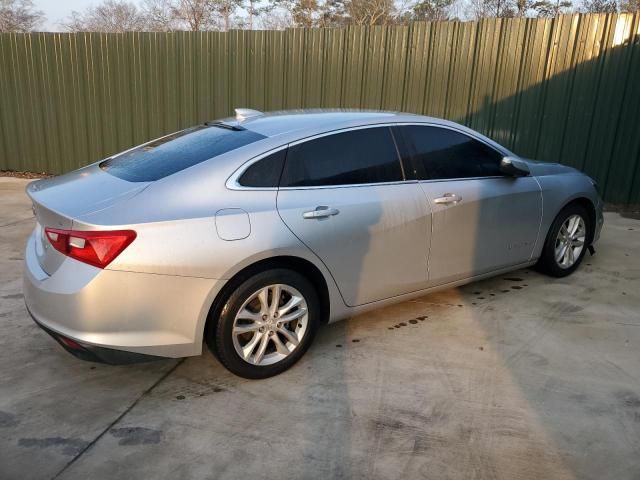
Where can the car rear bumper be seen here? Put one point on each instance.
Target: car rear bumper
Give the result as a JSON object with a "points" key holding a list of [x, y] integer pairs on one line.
{"points": [[92, 353], [134, 313]]}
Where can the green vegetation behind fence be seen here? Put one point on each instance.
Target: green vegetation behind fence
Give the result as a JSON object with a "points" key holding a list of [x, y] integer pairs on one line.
{"points": [[564, 89]]}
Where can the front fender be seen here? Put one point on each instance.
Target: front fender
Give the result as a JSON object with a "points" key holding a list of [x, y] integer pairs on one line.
{"points": [[558, 190]]}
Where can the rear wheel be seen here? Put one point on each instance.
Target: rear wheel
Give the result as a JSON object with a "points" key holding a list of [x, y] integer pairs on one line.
{"points": [[266, 324], [566, 243]]}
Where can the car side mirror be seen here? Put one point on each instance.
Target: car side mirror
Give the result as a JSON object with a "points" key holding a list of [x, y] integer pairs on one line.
{"points": [[514, 167]]}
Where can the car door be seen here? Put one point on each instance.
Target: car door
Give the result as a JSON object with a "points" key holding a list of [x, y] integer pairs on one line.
{"points": [[482, 220], [344, 196]]}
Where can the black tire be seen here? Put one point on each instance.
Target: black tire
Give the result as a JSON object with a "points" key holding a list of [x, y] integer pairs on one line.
{"points": [[547, 262], [220, 338]]}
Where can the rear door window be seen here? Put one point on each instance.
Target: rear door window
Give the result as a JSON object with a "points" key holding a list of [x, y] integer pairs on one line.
{"points": [[176, 152], [354, 157]]}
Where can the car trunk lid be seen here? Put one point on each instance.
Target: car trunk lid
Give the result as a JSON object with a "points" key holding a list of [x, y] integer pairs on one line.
{"points": [[58, 201]]}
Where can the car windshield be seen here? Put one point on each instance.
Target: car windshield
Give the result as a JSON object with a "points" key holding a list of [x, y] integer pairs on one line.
{"points": [[175, 152]]}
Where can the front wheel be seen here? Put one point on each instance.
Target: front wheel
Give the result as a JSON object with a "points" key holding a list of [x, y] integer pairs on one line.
{"points": [[566, 243], [266, 324]]}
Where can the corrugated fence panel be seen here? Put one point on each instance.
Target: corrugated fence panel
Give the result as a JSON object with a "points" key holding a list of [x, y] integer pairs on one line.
{"points": [[416, 74], [562, 89], [622, 183], [333, 67], [353, 79]]}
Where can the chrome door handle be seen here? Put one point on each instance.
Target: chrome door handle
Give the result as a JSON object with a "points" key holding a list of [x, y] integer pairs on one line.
{"points": [[447, 199], [321, 212]]}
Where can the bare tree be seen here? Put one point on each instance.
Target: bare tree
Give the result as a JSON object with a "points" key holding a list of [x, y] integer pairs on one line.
{"points": [[493, 8], [599, 6], [276, 19], [160, 15], [371, 12], [19, 16], [252, 12], [196, 14], [227, 9], [332, 13], [432, 10], [552, 8], [305, 13], [522, 7], [630, 6], [109, 16]]}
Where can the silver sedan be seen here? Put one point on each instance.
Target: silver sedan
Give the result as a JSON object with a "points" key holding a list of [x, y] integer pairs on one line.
{"points": [[248, 233]]}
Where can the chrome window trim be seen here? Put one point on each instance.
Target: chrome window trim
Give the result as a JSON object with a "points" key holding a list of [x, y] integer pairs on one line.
{"points": [[233, 184], [461, 179], [458, 130], [350, 185], [342, 130]]}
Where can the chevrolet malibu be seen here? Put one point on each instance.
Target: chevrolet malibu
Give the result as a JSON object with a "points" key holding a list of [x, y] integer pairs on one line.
{"points": [[248, 233]]}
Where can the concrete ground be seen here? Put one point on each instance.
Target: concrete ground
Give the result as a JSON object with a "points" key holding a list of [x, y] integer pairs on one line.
{"points": [[517, 377]]}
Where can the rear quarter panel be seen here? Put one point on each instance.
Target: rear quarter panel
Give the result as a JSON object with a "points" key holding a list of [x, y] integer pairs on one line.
{"points": [[177, 232]]}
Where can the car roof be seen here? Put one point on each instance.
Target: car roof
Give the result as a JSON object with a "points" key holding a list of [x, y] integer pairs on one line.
{"points": [[271, 124], [291, 125]]}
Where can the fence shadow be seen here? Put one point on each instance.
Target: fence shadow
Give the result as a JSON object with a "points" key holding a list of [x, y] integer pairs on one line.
{"points": [[583, 117]]}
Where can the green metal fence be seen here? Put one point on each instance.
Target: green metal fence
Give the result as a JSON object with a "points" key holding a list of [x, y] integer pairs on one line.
{"points": [[564, 89]]}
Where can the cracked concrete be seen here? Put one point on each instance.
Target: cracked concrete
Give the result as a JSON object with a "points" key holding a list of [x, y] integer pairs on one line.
{"points": [[519, 376]]}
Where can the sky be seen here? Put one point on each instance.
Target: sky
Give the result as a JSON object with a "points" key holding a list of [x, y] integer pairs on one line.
{"points": [[56, 10]]}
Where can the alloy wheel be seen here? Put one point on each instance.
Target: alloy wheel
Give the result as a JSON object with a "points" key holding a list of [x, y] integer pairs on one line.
{"points": [[270, 324], [570, 241]]}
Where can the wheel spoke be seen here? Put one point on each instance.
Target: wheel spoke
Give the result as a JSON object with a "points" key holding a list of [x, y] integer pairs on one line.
{"points": [[276, 292], [577, 242], [261, 349], [560, 253], [575, 224], [248, 349], [564, 233], [240, 329], [293, 302], [245, 314], [291, 336], [280, 347], [294, 315], [263, 296]]}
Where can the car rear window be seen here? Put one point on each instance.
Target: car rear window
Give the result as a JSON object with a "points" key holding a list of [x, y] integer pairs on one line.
{"points": [[176, 152]]}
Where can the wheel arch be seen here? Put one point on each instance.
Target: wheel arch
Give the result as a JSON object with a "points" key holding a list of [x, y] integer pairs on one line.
{"points": [[297, 264]]}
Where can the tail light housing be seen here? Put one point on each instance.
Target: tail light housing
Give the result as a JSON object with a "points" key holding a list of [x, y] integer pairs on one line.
{"points": [[98, 248]]}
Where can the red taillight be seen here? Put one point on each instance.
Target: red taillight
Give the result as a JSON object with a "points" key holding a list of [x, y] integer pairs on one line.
{"points": [[98, 248]]}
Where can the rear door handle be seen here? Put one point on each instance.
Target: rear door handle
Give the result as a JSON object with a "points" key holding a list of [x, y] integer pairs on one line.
{"points": [[321, 212], [447, 199]]}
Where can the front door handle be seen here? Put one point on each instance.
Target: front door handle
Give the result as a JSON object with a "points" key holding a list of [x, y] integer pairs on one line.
{"points": [[447, 199], [321, 212]]}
